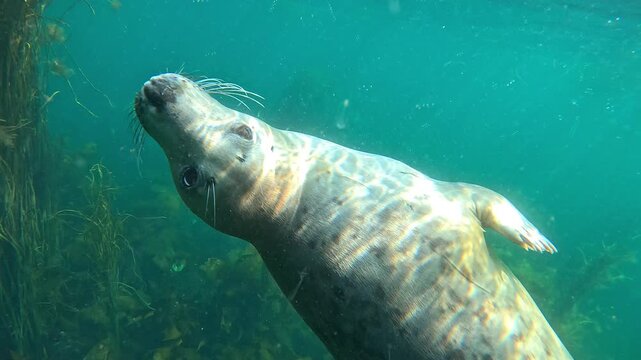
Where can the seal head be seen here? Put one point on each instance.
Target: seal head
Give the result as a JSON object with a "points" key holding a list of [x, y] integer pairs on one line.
{"points": [[215, 154]]}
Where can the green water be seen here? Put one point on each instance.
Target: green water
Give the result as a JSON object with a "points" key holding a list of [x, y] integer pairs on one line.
{"points": [[538, 100]]}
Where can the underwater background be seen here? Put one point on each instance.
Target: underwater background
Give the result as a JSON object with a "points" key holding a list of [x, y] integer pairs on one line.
{"points": [[537, 100]]}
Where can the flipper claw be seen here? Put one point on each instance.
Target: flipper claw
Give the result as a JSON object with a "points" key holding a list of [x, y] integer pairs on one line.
{"points": [[532, 239], [496, 212]]}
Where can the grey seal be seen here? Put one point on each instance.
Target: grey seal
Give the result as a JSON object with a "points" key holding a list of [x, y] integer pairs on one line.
{"points": [[380, 260]]}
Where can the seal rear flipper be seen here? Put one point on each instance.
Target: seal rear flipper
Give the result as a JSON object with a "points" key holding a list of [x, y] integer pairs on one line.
{"points": [[496, 212]]}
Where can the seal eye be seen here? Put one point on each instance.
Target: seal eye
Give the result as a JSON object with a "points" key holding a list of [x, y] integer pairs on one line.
{"points": [[189, 177], [244, 132]]}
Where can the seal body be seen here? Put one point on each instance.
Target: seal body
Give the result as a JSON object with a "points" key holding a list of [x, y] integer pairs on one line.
{"points": [[381, 261]]}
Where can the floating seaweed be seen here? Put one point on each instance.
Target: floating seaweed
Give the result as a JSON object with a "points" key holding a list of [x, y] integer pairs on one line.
{"points": [[59, 68], [55, 33], [115, 4]]}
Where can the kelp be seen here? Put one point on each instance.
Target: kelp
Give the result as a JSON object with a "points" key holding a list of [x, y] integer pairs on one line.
{"points": [[26, 235], [100, 240]]}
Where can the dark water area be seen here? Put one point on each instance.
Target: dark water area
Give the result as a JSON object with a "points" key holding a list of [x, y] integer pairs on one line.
{"points": [[538, 100]]}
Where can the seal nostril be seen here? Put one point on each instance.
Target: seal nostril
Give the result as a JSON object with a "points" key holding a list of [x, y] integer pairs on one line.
{"points": [[160, 90], [153, 96]]}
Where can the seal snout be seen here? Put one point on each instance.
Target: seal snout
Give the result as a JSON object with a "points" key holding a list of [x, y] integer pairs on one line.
{"points": [[160, 90]]}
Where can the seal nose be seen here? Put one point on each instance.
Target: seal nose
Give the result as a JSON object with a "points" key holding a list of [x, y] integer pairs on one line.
{"points": [[160, 90]]}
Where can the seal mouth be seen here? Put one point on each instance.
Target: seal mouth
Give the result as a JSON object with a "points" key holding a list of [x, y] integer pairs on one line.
{"points": [[138, 105]]}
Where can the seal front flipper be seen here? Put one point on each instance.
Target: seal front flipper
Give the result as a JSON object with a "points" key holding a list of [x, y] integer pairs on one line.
{"points": [[496, 212]]}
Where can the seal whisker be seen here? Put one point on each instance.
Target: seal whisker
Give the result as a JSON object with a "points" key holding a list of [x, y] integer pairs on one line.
{"points": [[211, 191], [221, 84], [235, 88], [207, 80], [207, 199], [229, 86], [141, 143], [138, 138], [217, 86], [227, 91], [233, 97], [181, 70]]}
